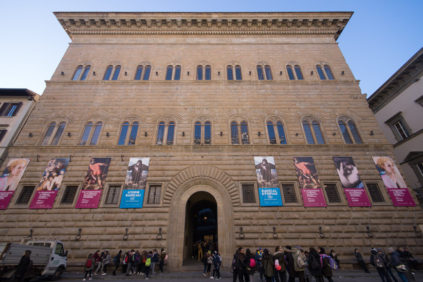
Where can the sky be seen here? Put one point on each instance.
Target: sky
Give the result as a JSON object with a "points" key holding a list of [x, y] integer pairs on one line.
{"points": [[379, 38]]}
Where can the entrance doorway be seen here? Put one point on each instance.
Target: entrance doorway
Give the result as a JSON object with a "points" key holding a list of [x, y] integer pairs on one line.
{"points": [[200, 225]]}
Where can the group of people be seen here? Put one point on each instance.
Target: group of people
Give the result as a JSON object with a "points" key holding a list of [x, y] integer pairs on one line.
{"points": [[132, 263], [285, 264], [401, 260]]}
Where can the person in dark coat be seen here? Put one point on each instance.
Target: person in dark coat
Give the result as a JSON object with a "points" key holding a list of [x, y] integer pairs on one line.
{"points": [[360, 260], [290, 263], [116, 261], [24, 266], [280, 275], [268, 265], [377, 259], [314, 265]]}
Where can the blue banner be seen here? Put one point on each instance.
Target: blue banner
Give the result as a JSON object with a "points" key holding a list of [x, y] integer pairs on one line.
{"points": [[132, 199], [270, 197]]}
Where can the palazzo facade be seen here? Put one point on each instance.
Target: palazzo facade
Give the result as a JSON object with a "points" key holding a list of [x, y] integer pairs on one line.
{"points": [[201, 95]]}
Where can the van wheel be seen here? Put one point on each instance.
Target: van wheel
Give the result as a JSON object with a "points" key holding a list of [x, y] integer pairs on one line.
{"points": [[58, 273]]}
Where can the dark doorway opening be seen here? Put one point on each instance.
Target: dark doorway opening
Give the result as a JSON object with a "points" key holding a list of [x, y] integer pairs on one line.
{"points": [[200, 226]]}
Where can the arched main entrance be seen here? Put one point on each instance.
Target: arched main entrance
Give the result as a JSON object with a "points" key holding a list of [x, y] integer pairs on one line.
{"points": [[200, 225]]}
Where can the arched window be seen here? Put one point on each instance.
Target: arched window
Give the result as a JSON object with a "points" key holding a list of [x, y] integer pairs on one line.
{"points": [[116, 73], [207, 132], [96, 134], [245, 139], [268, 72], [133, 135], [208, 72], [281, 132], [313, 132], [230, 73], [238, 73], [345, 133], [328, 72], [348, 129], [108, 73], [354, 132], [290, 72], [199, 72], [147, 72], [138, 73], [170, 133], [197, 133], [123, 133], [320, 72], [260, 73], [234, 133], [160, 133], [86, 134], [49, 133], [271, 132], [169, 72], [298, 72], [85, 74], [58, 134], [77, 73], [177, 72]]}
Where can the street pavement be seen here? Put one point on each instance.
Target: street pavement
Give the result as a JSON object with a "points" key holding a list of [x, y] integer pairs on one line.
{"points": [[339, 275]]}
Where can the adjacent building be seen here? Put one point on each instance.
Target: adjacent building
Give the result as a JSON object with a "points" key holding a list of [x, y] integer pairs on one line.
{"points": [[158, 130], [398, 107]]}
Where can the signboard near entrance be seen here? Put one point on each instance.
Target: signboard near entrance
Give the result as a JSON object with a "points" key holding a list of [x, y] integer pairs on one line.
{"points": [[267, 178]]}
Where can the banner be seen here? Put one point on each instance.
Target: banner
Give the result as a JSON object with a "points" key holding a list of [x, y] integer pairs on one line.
{"points": [[9, 180], [267, 178], [93, 185], [350, 180], [136, 179], [46, 190], [394, 183], [310, 186]]}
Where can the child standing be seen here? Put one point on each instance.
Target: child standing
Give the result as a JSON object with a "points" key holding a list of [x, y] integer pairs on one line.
{"points": [[88, 267]]}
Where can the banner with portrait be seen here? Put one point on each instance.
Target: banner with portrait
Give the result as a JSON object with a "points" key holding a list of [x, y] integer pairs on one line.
{"points": [[351, 182], [94, 182], [311, 189], [9, 180], [393, 181], [49, 185], [135, 181], [267, 178]]}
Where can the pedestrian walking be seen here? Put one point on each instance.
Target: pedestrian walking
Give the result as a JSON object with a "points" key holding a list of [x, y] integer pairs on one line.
{"points": [[327, 264], [251, 264], [280, 265], [268, 265], [360, 260], [400, 268], [299, 263], [116, 261], [88, 267], [314, 265], [217, 262]]}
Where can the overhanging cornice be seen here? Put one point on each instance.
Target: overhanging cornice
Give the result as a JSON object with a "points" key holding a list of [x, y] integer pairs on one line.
{"points": [[214, 23]]}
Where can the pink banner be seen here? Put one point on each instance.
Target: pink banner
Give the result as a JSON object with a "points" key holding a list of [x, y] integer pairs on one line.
{"points": [[401, 197], [88, 199], [394, 183], [313, 198], [310, 186], [43, 200], [357, 197], [5, 198], [351, 182]]}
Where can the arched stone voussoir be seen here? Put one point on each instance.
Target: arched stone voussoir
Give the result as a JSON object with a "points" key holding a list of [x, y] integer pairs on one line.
{"points": [[201, 175]]}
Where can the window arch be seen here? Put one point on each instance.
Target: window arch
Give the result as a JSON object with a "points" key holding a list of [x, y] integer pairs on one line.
{"points": [[124, 132], [230, 72], [203, 72], [108, 73], [85, 73], [238, 72], [298, 72], [87, 133], [239, 131], [49, 138], [169, 72], [161, 131], [234, 132], [116, 73], [264, 72], [77, 73], [245, 138], [281, 137], [143, 72], [349, 131], [134, 132], [294, 73], [313, 131], [207, 132], [198, 133], [325, 72]]}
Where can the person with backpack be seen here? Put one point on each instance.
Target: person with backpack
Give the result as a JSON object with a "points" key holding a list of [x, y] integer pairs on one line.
{"points": [[217, 262], [137, 263], [148, 264], [154, 261], [130, 263], [116, 261], [251, 265], [360, 260], [268, 265], [299, 263], [399, 267], [327, 264], [258, 257], [314, 265], [280, 265], [378, 261], [88, 267], [334, 256]]}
